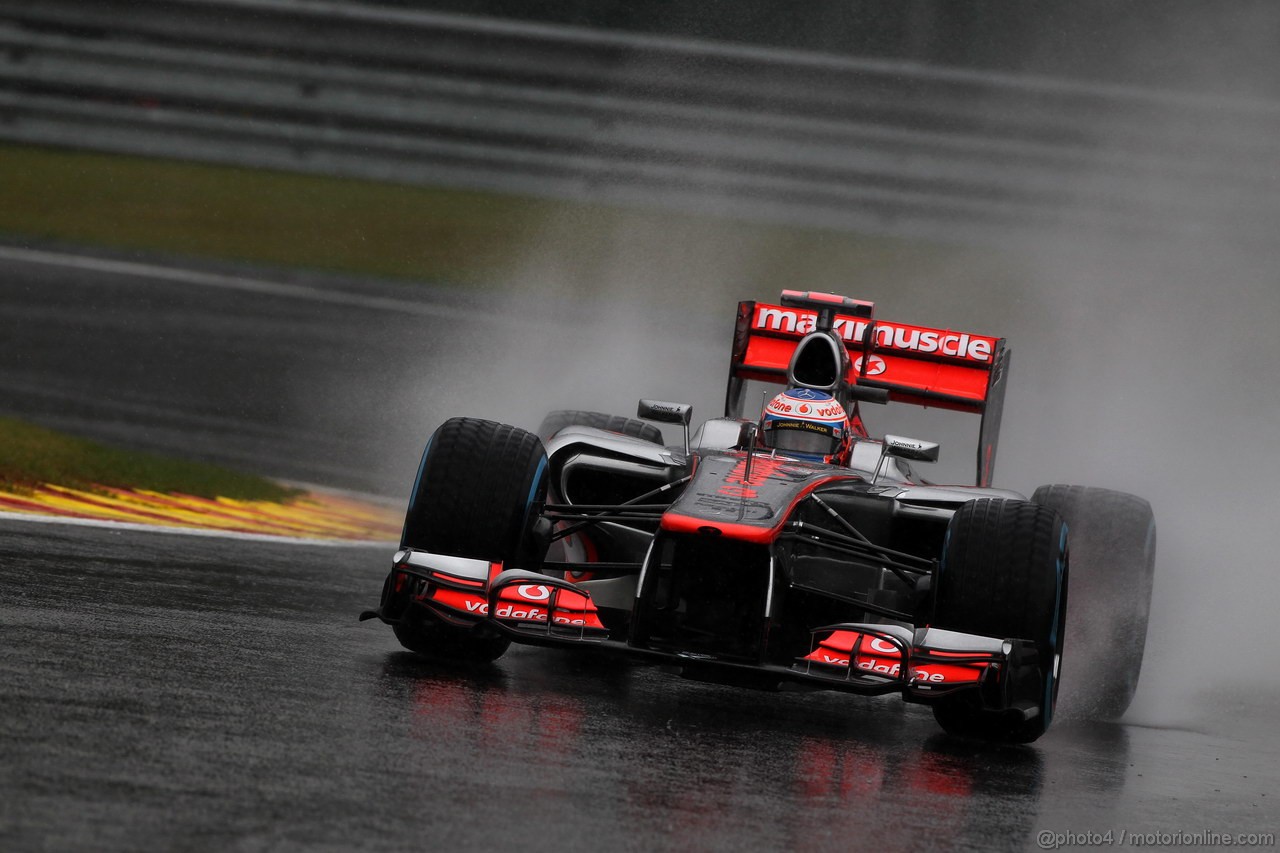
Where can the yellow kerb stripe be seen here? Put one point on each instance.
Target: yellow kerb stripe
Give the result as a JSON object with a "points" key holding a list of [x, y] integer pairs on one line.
{"points": [[317, 515]]}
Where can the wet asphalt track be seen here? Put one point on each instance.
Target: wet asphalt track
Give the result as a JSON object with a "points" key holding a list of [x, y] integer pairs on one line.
{"points": [[268, 381], [317, 378], [172, 692]]}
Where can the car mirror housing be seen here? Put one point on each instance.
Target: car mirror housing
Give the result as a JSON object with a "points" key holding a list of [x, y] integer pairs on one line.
{"points": [[911, 448], [668, 413]]}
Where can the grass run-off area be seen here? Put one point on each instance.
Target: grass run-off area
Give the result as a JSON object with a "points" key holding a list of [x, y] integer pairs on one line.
{"points": [[31, 455]]}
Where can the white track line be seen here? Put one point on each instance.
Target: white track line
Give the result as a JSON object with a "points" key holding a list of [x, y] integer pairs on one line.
{"points": [[244, 284], [36, 518]]}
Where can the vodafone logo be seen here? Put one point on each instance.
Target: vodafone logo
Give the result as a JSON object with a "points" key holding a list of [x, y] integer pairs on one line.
{"points": [[828, 410], [533, 592], [509, 611], [875, 365]]}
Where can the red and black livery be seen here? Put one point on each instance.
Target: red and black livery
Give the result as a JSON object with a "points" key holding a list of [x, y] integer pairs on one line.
{"points": [[743, 565]]}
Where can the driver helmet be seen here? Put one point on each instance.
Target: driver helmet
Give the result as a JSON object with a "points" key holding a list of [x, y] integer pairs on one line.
{"points": [[808, 424]]}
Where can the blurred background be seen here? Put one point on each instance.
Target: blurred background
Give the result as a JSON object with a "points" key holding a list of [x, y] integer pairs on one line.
{"points": [[295, 236]]}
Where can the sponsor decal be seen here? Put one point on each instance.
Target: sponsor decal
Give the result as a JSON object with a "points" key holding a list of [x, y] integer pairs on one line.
{"points": [[560, 616], [807, 426], [737, 486], [883, 668], [892, 336], [866, 652], [540, 602], [734, 502], [511, 611], [533, 592], [473, 605], [790, 404], [524, 603], [884, 647], [875, 365]]}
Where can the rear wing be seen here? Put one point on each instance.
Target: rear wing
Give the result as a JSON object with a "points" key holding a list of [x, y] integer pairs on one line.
{"points": [[922, 366]]}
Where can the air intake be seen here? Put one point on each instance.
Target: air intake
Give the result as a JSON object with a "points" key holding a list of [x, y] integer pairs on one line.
{"points": [[819, 362]]}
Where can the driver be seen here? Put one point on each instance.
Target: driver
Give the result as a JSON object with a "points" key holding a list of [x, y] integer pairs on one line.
{"points": [[812, 425]]}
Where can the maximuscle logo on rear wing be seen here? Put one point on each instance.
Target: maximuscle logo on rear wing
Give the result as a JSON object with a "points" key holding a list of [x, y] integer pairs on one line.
{"points": [[922, 366]]}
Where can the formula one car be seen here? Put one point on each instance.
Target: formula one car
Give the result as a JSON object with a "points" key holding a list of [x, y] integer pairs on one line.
{"points": [[792, 550]]}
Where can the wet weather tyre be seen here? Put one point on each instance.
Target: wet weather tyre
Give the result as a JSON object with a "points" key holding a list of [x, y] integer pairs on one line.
{"points": [[1113, 549], [1003, 574], [479, 490], [479, 493], [445, 642], [558, 420]]}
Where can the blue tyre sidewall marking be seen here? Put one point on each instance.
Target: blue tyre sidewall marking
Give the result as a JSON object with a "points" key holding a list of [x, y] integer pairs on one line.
{"points": [[413, 494], [1050, 680], [538, 476], [533, 488]]}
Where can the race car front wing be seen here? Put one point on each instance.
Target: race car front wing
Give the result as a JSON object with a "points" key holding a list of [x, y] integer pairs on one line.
{"points": [[923, 664]]}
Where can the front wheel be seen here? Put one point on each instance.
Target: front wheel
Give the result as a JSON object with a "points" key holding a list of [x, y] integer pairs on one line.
{"points": [[478, 494], [1003, 574], [445, 642]]}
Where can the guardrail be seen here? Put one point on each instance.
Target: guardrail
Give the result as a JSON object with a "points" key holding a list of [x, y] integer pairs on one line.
{"points": [[414, 97]]}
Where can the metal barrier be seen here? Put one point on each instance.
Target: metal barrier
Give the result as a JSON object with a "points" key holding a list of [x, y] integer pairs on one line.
{"points": [[374, 92]]}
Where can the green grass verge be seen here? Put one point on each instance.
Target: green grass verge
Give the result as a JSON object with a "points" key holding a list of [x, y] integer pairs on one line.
{"points": [[31, 455], [464, 239], [252, 215]]}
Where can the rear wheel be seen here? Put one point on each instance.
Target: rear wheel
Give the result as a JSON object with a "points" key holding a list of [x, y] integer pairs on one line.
{"points": [[1113, 549], [1004, 574], [478, 494], [558, 420]]}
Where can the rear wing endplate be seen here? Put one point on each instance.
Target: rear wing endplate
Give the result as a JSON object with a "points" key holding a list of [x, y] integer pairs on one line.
{"points": [[919, 365]]}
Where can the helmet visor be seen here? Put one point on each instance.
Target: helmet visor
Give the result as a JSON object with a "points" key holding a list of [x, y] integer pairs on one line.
{"points": [[802, 437]]}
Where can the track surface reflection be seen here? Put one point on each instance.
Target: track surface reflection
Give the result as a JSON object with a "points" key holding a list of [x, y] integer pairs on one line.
{"points": [[165, 691]]}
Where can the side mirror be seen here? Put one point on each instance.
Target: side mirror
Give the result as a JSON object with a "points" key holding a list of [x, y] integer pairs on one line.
{"points": [[668, 413], [911, 448]]}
